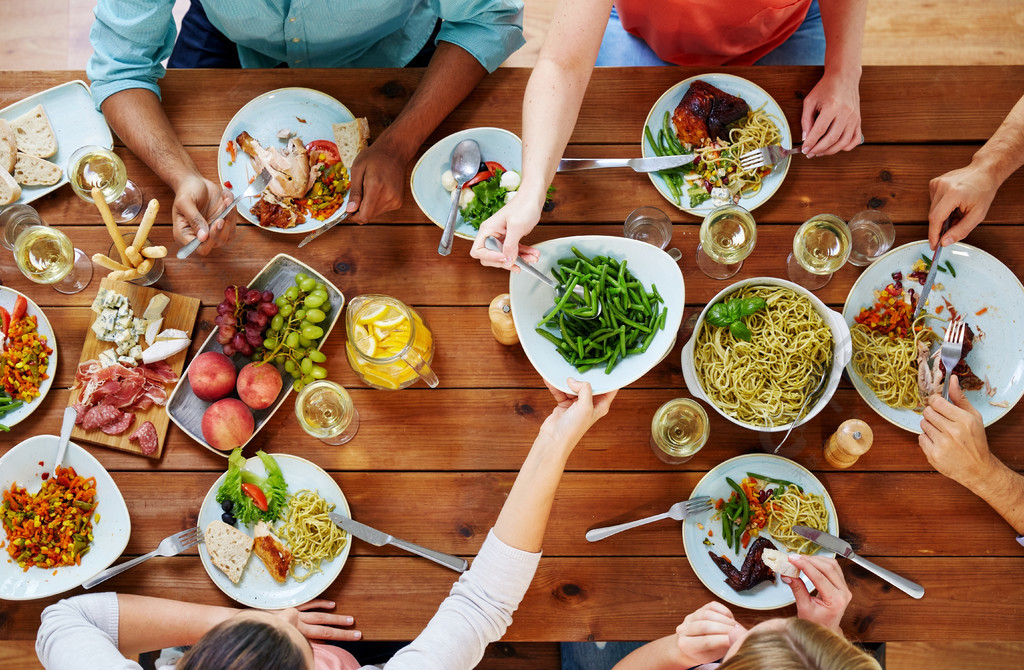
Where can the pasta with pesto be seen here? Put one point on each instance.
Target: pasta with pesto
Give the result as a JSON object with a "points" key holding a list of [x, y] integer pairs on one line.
{"points": [[311, 535], [889, 365], [758, 129], [793, 508]]}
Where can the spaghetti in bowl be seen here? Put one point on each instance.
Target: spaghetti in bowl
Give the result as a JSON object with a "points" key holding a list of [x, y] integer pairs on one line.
{"points": [[761, 384]]}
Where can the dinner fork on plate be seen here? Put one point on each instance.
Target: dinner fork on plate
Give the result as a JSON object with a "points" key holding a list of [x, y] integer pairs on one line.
{"points": [[770, 155], [255, 187], [679, 511], [952, 346], [169, 546]]}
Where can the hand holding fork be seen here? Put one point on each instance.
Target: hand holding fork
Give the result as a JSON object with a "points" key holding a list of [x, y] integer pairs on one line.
{"points": [[169, 546], [952, 346], [768, 156]]}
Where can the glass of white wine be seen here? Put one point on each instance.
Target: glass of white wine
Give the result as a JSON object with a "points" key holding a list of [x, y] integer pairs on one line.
{"points": [[820, 247], [44, 254], [727, 236], [325, 411], [678, 430], [94, 166]]}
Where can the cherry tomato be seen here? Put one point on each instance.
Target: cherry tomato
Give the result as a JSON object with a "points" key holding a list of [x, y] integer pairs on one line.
{"points": [[484, 175], [227, 184], [258, 497], [323, 151]]}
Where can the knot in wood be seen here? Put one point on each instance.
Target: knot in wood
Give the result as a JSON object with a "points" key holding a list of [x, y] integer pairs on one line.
{"points": [[466, 531], [522, 409], [885, 175], [569, 592], [876, 203], [393, 89], [341, 267]]}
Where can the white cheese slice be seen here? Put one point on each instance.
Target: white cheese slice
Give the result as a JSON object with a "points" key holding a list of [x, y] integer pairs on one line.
{"points": [[171, 334], [164, 349], [156, 307], [153, 329]]}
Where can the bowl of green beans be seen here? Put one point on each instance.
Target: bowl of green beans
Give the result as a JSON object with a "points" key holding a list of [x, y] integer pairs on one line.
{"points": [[623, 325]]}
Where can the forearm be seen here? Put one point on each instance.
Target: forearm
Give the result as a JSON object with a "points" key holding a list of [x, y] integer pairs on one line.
{"points": [[1003, 154], [146, 624], [843, 22], [138, 118], [662, 654], [1003, 489]]}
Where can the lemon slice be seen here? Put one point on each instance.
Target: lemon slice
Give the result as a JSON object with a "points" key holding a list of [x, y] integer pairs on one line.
{"points": [[391, 322], [373, 378], [373, 313], [364, 341]]}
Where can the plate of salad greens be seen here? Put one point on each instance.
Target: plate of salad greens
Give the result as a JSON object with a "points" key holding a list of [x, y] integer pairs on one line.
{"points": [[485, 194], [278, 477]]}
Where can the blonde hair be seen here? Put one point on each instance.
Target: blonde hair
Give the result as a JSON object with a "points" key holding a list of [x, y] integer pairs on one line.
{"points": [[799, 645]]}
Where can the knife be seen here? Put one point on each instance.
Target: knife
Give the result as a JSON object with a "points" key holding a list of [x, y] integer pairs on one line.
{"points": [[652, 164], [379, 539], [320, 231], [843, 548], [953, 217]]}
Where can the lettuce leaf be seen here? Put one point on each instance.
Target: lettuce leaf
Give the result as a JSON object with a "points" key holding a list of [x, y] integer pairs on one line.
{"points": [[273, 486]]}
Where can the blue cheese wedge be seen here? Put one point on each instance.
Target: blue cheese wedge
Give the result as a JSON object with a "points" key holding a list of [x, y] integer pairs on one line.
{"points": [[107, 358]]}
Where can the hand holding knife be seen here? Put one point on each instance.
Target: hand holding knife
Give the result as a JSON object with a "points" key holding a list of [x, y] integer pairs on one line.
{"points": [[953, 217]]}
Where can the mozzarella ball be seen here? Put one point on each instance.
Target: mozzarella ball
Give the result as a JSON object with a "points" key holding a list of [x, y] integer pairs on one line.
{"points": [[509, 196], [448, 181], [467, 196], [510, 180]]}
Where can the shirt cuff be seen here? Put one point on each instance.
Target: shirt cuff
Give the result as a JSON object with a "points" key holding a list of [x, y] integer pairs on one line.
{"points": [[101, 90]]}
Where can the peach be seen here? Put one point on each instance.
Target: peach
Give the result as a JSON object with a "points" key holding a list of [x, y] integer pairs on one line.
{"points": [[212, 376], [227, 424], [259, 385]]}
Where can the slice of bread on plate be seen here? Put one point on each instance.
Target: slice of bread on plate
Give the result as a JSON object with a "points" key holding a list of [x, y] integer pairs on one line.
{"points": [[351, 138], [779, 562], [229, 548], [272, 552], [10, 190], [34, 134], [8, 147], [34, 171]]}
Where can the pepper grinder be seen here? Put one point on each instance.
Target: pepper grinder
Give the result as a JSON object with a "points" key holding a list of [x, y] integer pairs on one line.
{"points": [[848, 443]]}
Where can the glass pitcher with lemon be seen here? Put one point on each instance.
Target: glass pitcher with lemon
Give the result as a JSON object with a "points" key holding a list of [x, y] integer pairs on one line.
{"points": [[388, 346]]}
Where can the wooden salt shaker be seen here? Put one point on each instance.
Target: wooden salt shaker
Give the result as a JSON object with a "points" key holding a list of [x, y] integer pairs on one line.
{"points": [[502, 325], [848, 443]]}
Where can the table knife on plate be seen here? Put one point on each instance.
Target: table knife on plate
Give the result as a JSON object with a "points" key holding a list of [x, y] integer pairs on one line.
{"points": [[953, 217], [321, 230], [843, 548], [652, 164], [379, 539]]}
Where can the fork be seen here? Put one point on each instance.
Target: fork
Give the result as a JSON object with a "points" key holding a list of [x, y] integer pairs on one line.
{"points": [[679, 511], [255, 187], [770, 155], [169, 546], [952, 345]]}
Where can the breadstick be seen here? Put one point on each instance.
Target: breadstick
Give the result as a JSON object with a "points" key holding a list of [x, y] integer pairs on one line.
{"points": [[134, 256], [116, 275], [130, 274], [154, 252], [110, 264], [145, 266], [108, 219], [147, 224]]}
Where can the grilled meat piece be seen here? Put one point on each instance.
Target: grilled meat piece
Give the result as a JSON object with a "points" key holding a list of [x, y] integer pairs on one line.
{"points": [[968, 380], [272, 214], [289, 169], [754, 570], [704, 113]]}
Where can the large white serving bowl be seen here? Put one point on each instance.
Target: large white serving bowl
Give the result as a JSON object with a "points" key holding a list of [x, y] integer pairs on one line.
{"points": [[531, 299], [842, 350]]}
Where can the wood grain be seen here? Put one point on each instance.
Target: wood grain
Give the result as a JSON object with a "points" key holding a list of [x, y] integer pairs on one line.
{"points": [[180, 314]]}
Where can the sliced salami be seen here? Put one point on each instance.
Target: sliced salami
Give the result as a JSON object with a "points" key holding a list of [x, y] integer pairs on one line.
{"points": [[120, 425], [80, 410], [99, 416], [146, 436]]}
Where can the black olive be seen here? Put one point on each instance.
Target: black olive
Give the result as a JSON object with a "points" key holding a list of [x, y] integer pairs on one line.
{"points": [[228, 518], [227, 505]]}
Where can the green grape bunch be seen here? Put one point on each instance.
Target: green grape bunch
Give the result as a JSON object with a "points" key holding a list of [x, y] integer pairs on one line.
{"points": [[294, 332]]}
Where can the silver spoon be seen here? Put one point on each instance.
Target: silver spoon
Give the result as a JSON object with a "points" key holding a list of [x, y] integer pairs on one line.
{"points": [[494, 245], [465, 164], [65, 435]]}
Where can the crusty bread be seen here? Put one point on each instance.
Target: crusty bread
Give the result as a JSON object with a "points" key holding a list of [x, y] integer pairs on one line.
{"points": [[351, 138], [9, 189], [33, 171], [779, 562], [34, 134], [229, 548], [8, 147], [272, 552]]}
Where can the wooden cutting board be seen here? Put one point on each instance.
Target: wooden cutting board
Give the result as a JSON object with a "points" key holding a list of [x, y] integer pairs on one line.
{"points": [[180, 313]]}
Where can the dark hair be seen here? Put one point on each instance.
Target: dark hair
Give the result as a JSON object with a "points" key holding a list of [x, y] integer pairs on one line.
{"points": [[243, 644]]}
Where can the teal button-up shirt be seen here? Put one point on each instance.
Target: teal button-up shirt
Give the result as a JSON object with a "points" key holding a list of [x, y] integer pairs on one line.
{"points": [[130, 38]]}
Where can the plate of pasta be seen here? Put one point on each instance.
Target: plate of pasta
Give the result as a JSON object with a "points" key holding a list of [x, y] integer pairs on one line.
{"points": [[719, 117], [886, 370], [319, 548], [786, 494]]}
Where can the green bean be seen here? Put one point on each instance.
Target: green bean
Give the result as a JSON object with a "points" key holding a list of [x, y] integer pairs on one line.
{"points": [[650, 140], [773, 480], [745, 516], [726, 531]]}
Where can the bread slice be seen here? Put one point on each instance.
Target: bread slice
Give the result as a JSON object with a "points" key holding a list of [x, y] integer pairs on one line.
{"points": [[272, 552], [351, 138], [779, 562], [34, 134], [229, 548], [8, 147], [9, 189], [33, 171]]}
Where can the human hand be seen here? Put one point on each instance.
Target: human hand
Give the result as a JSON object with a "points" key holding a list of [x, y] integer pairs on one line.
{"points": [[194, 200], [971, 188], [319, 625], [953, 437], [831, 116], [572, 417], [828, 606], [377, 183], [704, 635], [509, 225]]}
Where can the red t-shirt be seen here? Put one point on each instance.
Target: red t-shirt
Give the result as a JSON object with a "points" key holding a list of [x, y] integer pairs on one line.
{"points": [[712, 32]]}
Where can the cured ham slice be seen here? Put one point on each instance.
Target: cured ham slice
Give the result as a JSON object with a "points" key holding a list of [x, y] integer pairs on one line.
{"points": [[123, 388], [704, 113]]}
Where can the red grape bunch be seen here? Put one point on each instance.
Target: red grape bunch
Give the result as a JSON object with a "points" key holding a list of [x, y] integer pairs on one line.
{"points": [[242, 317]]}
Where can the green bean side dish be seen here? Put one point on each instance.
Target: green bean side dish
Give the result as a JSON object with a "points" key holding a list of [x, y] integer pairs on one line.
{"points": [[626, 323]]}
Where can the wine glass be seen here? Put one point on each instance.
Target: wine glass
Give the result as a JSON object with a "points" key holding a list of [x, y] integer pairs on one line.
{"points": [[94, 166], [727, 236], [871, 235], [44, 254], [820, 247]]}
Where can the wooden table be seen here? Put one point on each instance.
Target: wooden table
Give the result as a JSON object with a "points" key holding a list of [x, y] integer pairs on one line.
{"points": [[434, 465]]}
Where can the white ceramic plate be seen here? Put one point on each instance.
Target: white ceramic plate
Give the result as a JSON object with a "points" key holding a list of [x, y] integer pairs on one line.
{"points": [[7, 298], [981, 282], [496, 144], [306, 112], [75, 122], [766, 595], [755, 97], [257, 588], [110, 533], [186, 410], [531, 299]]}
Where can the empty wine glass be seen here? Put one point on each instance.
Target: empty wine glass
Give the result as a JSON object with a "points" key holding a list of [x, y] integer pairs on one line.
{"points": [[871, 235], [94, 166], [727, 236], [820, 247], [44, 254]]}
